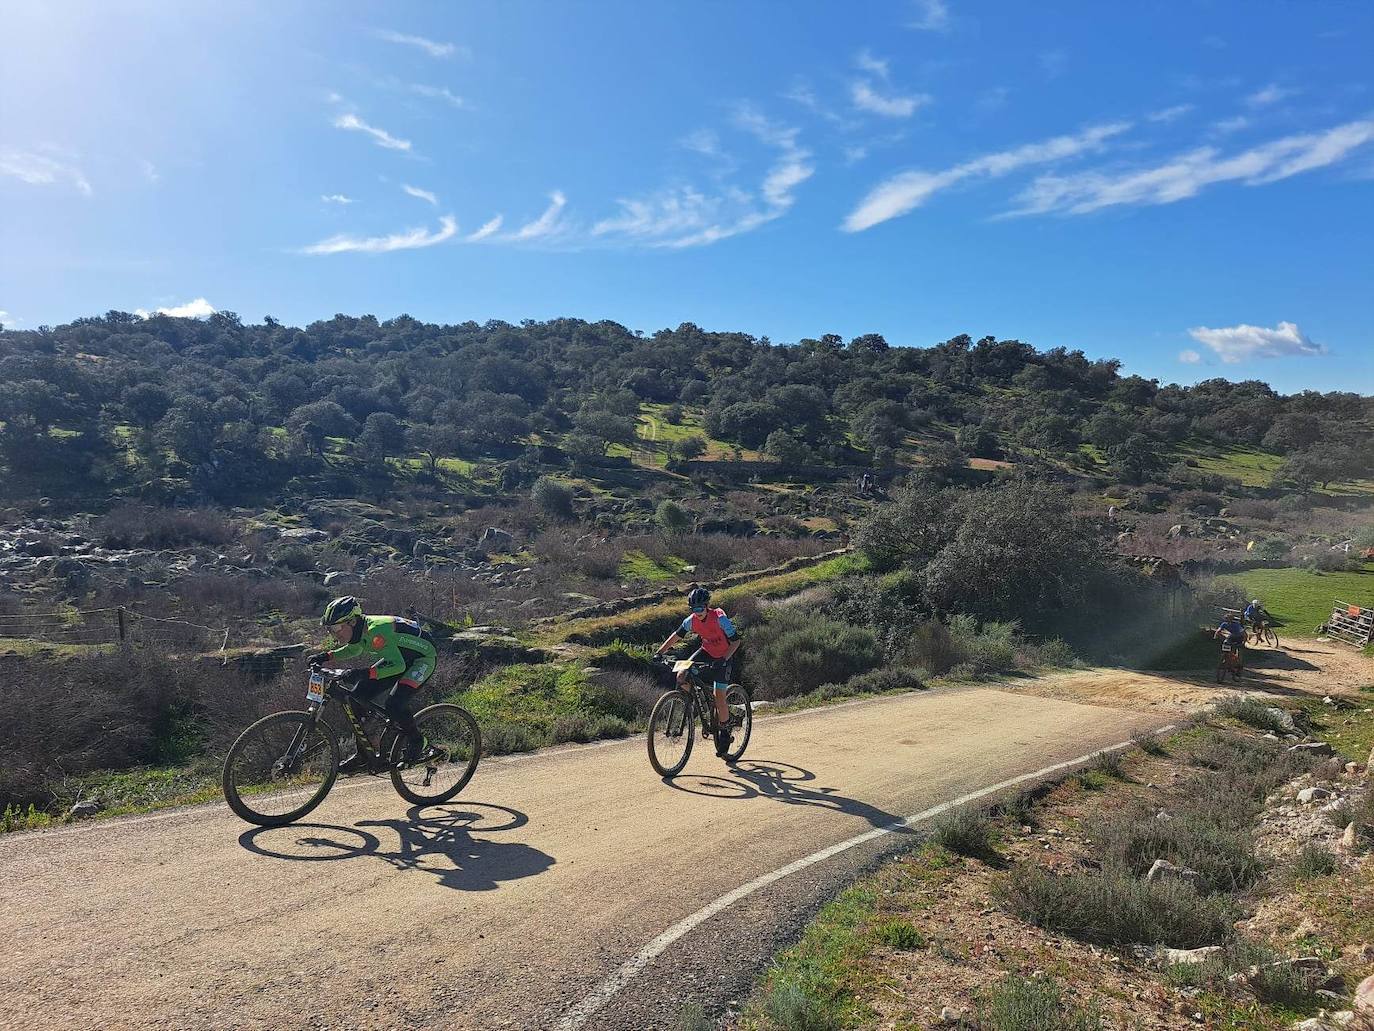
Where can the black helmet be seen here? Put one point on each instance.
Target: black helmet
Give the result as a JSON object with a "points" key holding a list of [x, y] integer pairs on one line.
{"points": [[341, 610], [698, 598]]}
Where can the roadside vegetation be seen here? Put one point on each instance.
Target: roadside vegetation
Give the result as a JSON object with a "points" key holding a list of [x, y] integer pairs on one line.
{"points": [[1183, 885]]}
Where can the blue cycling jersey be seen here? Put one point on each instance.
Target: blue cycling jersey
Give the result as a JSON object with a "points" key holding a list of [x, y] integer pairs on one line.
{"points": [[1233, 629]]}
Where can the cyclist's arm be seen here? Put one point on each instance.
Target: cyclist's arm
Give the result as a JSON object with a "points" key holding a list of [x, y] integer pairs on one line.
{"points": [[348, 651], [673, 639], [731, 635]]}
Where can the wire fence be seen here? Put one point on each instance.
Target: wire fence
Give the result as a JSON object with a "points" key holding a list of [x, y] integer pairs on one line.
{"points": [[115, 626]]}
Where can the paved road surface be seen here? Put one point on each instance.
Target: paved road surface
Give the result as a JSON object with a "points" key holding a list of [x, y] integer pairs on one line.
{"points": [[511, 906]]}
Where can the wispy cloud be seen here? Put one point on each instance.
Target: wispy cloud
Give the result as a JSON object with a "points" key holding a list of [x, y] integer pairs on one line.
{"points": [[42, 170], [703, 141], [490, 228], [686, 216], [1170, 114], [381, 137], [424, 195], [432, 47], [909, 190], [149, 171], [929, 15], [866, 62], [866, 98], [336, 198], [547, 223], [1230, 125], [437, 93], [1271, 94], [1235, 344], [1188, 174], [408, 239], [1189, 357], [197, 309]]}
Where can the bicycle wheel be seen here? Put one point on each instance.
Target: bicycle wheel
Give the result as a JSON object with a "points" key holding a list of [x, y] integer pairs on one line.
{"points": [[741, 721], [453, 745], [1271, 639], [280, 768], [672, 729], [1221, 673]]}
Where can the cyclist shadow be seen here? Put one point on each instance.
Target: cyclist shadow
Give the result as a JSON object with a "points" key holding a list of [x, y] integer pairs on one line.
{"points": [[785, 783], [445, 841]]}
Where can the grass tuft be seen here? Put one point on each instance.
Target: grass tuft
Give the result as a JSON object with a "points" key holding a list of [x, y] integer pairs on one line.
{"points": [[964, 831], [898, 934], [1030, 1004]]}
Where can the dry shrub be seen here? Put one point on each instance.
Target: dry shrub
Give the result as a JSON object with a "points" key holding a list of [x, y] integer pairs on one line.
{"points": [[136, 525]]}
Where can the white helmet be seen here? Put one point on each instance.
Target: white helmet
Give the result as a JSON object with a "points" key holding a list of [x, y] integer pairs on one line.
{"points": [[1255, 602]]}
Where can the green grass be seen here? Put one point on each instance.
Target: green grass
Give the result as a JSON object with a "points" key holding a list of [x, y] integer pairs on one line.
{"points": [[638, 566], [1300, 599], [644, 623], [527, 706], [1250, 465], [656, 432]]}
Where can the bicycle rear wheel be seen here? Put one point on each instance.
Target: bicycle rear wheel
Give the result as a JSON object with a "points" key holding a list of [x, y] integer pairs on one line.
{"points": [[672, 729], [741, 721], [280, 768], [453, 746]]}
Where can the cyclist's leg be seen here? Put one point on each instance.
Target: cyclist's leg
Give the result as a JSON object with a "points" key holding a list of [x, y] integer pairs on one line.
{"points": [[402, 697], [721, 672]]}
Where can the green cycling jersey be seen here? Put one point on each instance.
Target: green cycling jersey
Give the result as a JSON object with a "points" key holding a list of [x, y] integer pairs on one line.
{"points": [[396, 643]]}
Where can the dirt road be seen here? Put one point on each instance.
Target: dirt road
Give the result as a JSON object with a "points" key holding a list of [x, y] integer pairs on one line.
{"points": [[563, 889]]}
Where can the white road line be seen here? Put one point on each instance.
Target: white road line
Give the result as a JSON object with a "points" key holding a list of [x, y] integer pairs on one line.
{"points": [[579, 1014]]}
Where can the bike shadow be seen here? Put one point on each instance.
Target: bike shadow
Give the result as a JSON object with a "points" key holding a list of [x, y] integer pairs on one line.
{"points": [[781, 782], [447, 842]]}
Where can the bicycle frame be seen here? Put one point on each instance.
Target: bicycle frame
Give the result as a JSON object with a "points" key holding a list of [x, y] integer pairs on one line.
{"points": [[703, 695], [332, 689]]}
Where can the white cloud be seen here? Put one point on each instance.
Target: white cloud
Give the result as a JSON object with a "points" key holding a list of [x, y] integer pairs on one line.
{"points": [[866, 62], [1271, 94], [1230, 125], [1170, 114], [150, 171], [909, 190], [408, 239], [547, 223], [381, 137], [866, 98], [429, 46], [703, 141], [685, 216], [424, 195], [1189, 357], [336, 198], [929, 15], [438, 93], [1240, 343], [488, 229], [42, 170], [197, 309], [1188, 174]]}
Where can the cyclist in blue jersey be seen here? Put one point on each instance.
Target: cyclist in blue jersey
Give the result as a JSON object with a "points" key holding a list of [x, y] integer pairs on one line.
{"points": [[1233, 630], [719, 640], [1255, 615]]}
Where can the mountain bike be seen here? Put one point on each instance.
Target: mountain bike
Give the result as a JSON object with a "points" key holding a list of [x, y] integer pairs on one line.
{"points": [[1230, 662], [283, 766], [1263, 633], [673, 721]]}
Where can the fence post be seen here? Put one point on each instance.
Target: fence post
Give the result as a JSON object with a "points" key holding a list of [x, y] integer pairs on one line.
{"points": [[119, 614]]}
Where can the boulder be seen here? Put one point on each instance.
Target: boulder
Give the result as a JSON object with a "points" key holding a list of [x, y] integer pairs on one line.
{"points": [[1364, 997], [84, 808], [1281, 718], [1313, 748], [1188, 956], [1350, 840], [1309, 795], [495, 646], [1330, 769], [496, 540], [304, 535], [1163, 870]]}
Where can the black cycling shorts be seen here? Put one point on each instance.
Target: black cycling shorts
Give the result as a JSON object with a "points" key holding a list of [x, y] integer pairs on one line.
{"points": [[722, 670]]}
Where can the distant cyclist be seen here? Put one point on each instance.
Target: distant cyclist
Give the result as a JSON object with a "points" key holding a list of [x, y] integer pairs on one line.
{"points": [[1232, 630], [719, 640], [1255, 615], [405, 659]]}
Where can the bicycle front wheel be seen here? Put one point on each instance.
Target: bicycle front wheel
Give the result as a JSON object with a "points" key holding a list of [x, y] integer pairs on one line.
{"points": [[741, 721], [672, 729], [453, 746], [1271, 639], [280, 768]]}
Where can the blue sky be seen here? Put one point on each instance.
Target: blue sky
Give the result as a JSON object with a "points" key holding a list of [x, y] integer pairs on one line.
{"points": [[1186, 186]]}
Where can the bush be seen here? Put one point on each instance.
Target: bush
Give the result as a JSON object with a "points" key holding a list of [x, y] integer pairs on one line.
{"points": [[1112, 908], [672, 517], [1225, 856], [572, 727], [143, 526], [502, 738], [1256, 714], [934, 648], [888, 678], [791, 1007], [1266, 974], [965, 831], [898, 934], [554, 497], [1313, 861], [1028, 1004], [796, 651]]}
